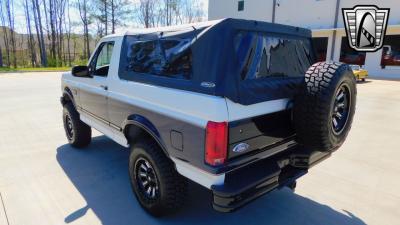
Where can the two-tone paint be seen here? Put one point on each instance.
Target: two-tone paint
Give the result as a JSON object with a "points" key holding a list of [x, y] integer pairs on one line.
{"points": [[176, 119]]}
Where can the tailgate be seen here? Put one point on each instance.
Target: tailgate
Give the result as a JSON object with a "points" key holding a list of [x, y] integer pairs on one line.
{"points": [[260, 133]]}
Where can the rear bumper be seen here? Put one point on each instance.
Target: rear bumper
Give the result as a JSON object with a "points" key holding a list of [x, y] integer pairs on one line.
{"points": [[250, 182]]}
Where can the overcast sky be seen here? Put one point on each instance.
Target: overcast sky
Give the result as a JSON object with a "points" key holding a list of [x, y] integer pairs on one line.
{"points": [[20, 17]]}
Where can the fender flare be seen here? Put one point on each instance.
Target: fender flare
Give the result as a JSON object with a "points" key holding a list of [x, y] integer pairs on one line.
{"points": [[147, 127], [67, 93]]}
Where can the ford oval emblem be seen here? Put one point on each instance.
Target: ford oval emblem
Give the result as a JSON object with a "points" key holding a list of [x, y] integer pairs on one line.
{"points": [[241, 147]]}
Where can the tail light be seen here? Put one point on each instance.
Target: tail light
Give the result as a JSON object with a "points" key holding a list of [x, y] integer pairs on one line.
{"points": [[216, 143]]}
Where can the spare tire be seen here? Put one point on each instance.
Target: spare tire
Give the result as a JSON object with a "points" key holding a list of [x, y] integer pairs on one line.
{"points": [[324, 108]]}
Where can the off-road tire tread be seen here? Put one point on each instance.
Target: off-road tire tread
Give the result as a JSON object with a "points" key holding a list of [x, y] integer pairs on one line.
{"points": [[313, 104]]}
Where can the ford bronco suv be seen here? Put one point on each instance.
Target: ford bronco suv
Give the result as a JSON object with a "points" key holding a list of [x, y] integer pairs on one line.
{"points": [[237, 106]]}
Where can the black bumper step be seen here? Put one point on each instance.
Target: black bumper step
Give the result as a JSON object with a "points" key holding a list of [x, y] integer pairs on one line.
{"points": [[250, 182]]}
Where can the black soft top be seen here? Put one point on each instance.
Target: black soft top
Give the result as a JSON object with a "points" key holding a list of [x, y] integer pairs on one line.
{"points": [[216, 68]]}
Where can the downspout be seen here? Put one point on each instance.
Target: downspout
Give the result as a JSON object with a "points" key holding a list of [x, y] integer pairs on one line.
{"points": [[334, 29], [273, 10]]}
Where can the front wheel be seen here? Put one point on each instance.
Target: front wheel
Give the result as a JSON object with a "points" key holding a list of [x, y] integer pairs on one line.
{"points": [[78, 133], [157, 185]]}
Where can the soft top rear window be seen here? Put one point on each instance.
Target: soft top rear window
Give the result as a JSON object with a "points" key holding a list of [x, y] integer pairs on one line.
{"points": [[262, 55]]}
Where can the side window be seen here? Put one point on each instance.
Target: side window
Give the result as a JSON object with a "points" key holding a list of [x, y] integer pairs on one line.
{"points": [[168, 57], [100, 63]]}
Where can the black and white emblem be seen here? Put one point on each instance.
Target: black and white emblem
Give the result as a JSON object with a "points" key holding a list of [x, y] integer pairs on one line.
{"points": [[365, 26]]}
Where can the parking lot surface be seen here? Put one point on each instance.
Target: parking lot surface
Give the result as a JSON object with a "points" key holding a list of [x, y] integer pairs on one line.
{"points": [[45, 181]]}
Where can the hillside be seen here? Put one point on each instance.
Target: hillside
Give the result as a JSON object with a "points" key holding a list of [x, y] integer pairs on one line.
{"points": [[22, 41]]}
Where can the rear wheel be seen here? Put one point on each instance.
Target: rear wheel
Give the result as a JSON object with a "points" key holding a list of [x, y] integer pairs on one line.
{"points": [[78, 133], [324, 109], [157, 185]]}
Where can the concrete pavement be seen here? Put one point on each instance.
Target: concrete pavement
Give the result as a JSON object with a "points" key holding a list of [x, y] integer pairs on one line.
{"points": [[45, 181]]}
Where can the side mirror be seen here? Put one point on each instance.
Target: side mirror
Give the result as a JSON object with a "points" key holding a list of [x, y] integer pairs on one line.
{"points": [[80, 71]]}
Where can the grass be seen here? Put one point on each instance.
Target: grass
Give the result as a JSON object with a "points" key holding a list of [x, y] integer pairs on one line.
{"points": [[33, 69]]}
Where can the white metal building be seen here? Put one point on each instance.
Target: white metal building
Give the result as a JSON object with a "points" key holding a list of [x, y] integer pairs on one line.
{"points": [[324, 18]]}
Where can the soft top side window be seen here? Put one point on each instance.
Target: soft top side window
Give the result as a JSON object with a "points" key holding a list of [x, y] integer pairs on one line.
{"points": [[165, 57]]}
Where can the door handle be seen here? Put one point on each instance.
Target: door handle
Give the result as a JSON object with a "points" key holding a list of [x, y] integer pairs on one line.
{"points": [[104, 87]]}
